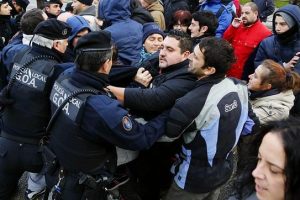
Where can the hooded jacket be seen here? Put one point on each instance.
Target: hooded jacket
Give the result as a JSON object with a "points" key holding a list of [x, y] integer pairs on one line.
{"points": [[126, 33], [224, 18], [281, 50]]}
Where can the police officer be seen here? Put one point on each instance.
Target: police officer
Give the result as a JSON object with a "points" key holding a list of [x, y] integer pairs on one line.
{"points": [[88, 126], [52, 8], [27, 106]]}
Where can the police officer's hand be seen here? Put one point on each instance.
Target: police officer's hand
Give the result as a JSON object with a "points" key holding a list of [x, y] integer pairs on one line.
{"points": [[143, 77]]}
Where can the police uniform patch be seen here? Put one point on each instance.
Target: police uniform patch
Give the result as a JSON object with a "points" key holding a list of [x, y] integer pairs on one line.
{"points": [[127, 123], [64, 32]]}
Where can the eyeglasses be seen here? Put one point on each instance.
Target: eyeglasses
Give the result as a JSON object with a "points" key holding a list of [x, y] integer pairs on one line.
{"points": [[179, 25]]}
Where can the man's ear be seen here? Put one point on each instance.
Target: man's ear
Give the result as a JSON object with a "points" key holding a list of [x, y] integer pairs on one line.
{"points": [[209, 71], [105, 69], [203, 29], [186, 54], [55, 44]]}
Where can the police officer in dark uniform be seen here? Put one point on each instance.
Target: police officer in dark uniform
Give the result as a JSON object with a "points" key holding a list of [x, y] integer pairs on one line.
{"points": [[26, 103], [52, 8], [87, 127]]}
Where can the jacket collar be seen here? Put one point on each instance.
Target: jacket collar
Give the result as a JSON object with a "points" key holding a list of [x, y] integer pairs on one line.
{"points": [[209, 80], [46, 51], [259, 94], [175, 67], [83, 78]]}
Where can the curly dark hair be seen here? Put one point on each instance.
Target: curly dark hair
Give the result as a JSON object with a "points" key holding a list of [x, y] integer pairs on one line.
{"points": [[218, 53]]}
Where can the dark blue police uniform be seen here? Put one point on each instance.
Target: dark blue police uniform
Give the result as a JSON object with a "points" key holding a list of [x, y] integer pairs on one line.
{"points": [[84, 135], [23, 122]]}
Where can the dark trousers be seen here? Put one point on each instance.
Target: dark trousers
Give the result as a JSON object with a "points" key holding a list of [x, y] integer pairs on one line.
{"points": [[15, 159], [71, 189]]}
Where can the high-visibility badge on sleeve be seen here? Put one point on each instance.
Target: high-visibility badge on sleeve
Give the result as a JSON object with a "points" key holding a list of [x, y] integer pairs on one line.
{"points": [[127, 123]]}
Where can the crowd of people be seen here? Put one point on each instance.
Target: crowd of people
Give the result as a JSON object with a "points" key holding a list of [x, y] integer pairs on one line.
{"points": [[149, 99]]}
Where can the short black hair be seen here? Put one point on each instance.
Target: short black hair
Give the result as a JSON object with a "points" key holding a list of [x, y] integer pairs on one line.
{"points": [[91, 61], [185, 41], [30, 20], [207, 18], [218, 53]]}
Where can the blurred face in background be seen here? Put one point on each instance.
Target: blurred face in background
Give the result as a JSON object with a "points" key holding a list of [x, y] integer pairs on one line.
{"points": [[248, 16], [79, 35], [153, 43], [5, 9], [180, 27], [77, 6], [53, 8], [195, 29], [280, 25]]}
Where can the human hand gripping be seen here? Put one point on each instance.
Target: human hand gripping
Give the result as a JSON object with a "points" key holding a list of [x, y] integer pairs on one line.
{"points": [[143, 77]]}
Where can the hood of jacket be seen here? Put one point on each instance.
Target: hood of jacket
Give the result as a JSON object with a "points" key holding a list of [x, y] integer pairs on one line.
{"points": [[291, 10], [114, 10]]}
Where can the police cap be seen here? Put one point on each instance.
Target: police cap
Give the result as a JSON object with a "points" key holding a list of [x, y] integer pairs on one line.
{"points": [[95, 41], [53, 29]]}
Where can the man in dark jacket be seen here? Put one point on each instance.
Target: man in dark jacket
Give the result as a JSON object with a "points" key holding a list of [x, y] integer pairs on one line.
{"points": [[284, 45], [25, 103], [52, 8], [87, 128], [211, 118], [172, 82]]}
